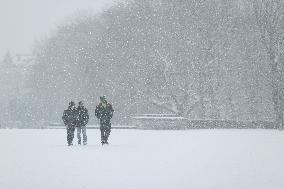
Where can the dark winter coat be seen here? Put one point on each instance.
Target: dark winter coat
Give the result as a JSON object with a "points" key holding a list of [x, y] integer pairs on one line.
{"points": [[104, 114], [70, 117], [82, 116]]}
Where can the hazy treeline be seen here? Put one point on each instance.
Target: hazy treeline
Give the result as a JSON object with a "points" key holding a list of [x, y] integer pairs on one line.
{"points": [[205, 59]]}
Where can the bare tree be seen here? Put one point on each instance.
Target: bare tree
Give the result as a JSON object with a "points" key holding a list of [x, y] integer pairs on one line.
{"points": [[269, 16]]}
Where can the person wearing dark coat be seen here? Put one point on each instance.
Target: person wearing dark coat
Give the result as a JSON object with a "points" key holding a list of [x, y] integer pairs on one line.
{"points": [[69, 119], [82, 121], [104, 113]]}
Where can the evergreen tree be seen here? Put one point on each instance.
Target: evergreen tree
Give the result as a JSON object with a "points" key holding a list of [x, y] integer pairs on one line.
{"points": [[8, 60]]}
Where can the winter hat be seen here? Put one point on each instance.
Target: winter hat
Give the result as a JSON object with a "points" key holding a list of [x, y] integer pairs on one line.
{"points": [[81, 103], [103, 98]]}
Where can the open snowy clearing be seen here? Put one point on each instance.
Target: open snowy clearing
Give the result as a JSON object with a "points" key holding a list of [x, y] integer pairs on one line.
{"points": [[197, 159]]}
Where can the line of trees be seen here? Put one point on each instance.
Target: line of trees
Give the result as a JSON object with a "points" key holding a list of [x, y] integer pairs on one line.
{"points": [[217, 59]]}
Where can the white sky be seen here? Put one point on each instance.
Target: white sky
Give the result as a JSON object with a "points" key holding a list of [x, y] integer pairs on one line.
{"points": [[24, 21]]}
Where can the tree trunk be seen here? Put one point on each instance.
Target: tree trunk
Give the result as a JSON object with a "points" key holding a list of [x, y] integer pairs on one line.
{"points": [[276, 79], [277, 108], [201, 113], [215, 111]]}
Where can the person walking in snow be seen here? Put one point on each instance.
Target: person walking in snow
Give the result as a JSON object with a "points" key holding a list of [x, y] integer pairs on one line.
{"points": [[69, 119], [104, 113], [82, 121]]}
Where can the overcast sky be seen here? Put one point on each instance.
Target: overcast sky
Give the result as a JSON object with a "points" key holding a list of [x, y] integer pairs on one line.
{"points": [[24, 21]]}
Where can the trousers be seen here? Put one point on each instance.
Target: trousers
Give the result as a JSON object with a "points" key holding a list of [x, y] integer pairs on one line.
{"points": [[82, 129], [70, 134]]}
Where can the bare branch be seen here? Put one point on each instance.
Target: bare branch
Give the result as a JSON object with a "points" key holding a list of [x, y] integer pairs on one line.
{"points": [[217, 57], [164, 105], [191, 108]]}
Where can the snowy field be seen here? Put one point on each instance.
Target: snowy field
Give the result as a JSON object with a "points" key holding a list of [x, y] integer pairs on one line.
{"points": [[138, 159]]}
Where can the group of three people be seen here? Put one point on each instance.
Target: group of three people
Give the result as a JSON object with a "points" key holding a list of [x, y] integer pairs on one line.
{"points": [[78, 118]]}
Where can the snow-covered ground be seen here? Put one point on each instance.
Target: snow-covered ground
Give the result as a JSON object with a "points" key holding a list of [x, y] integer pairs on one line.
{"points": [[138, 159]]}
